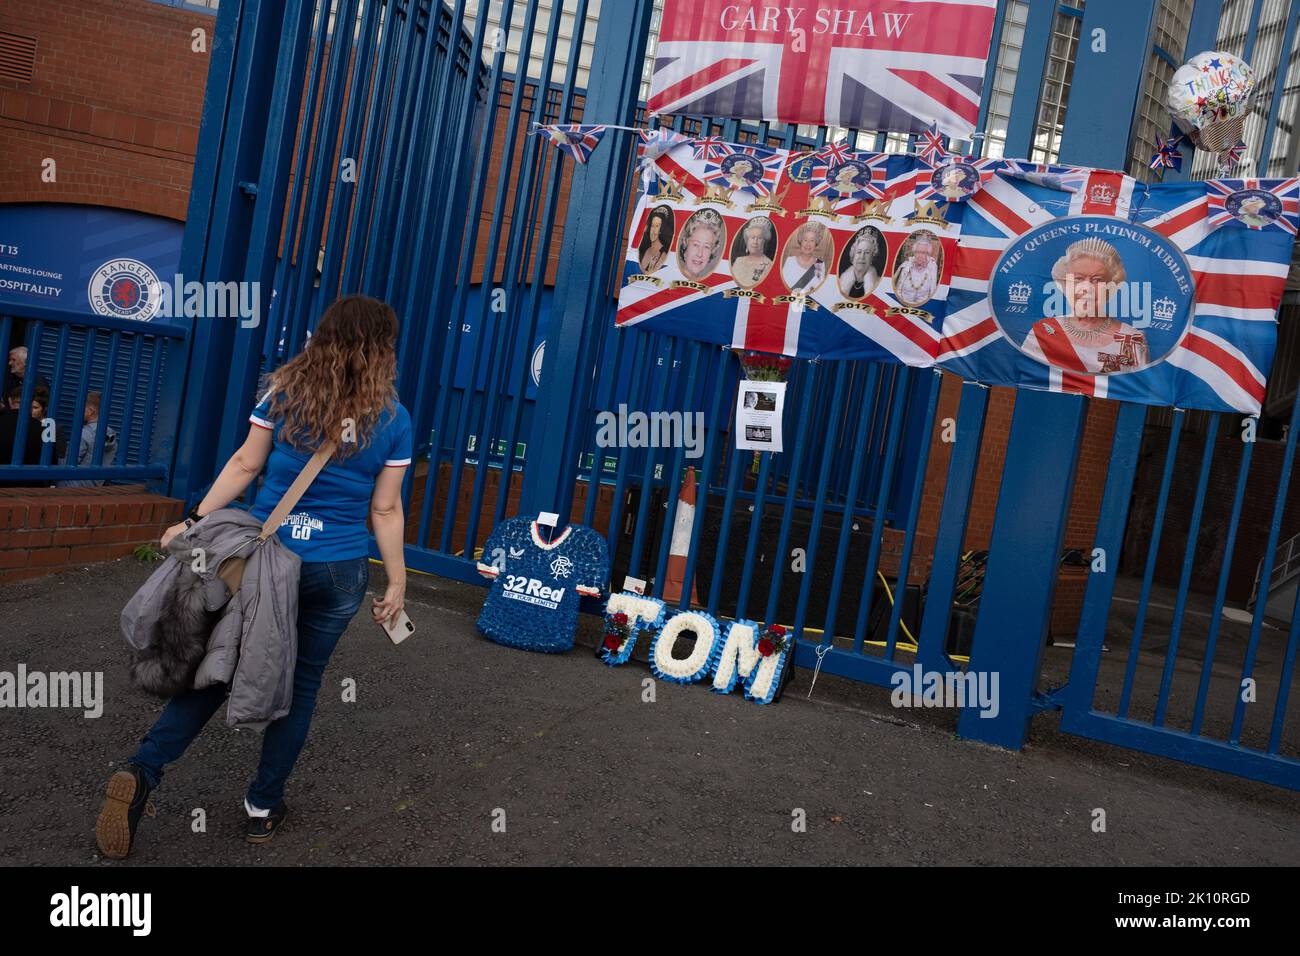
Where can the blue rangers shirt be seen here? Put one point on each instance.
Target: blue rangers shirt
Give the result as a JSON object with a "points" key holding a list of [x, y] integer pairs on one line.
{"points": [[539, 575], [329, 521]]}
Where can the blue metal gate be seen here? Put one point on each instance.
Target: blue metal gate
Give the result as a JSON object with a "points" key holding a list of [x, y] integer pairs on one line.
{"points": [[509, 350], [133, 365]]}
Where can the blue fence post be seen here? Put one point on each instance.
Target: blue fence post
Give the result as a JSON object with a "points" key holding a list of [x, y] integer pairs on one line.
{"points": [[1111, 523], [1020, 578], [232, 134], [954, 514], [266, 224], [1098, 126], [581, 285], [1037, 480]]}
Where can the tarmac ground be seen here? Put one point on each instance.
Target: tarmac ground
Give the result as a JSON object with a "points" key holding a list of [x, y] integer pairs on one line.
{"points": [[460, 751]]}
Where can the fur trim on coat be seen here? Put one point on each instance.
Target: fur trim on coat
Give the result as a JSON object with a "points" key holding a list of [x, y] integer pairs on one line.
{"points": [[167, 667]]}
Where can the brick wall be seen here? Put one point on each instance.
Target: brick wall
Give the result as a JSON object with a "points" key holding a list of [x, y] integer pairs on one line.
{"points": [[487, 508], [43, 530], [1085, 504], [1085, 511], [1256, 512], [544, 154], [115, 100]]}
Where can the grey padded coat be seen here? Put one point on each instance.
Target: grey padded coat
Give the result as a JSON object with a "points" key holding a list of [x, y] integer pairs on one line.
{"points": [[180, 617]]}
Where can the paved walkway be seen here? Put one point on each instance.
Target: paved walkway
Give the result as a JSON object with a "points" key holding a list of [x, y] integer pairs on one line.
{"points": [[448, 728]]}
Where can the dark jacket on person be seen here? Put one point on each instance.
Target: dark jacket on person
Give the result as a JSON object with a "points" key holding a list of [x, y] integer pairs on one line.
{"points": [[11, 380], [31, 454]]}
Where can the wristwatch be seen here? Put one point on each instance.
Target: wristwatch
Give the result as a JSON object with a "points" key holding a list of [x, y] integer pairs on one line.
{"points": [[193, 517]]}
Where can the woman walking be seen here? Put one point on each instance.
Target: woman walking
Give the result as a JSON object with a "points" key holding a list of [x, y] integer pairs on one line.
{"points": [[340, 389]]}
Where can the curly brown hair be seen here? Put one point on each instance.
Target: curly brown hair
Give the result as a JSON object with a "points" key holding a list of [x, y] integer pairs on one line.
{"points": [[345, 372]]}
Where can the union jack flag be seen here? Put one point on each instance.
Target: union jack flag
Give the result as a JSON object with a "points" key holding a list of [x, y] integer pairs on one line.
{"points": [[1167, 155], [1055, 175], [826, 183], [835, 153], [760, 181], [1278, 202], [1222, 361], [1229, 158], [577, 140], [708, 306], [926, 179], [857, 68], [710, 147]]}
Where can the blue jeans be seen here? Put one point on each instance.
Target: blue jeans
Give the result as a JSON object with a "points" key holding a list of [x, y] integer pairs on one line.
{"points": [[329, 594]]}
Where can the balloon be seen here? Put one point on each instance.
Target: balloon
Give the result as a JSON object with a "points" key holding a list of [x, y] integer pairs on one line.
{"points": [[1209, 97]]}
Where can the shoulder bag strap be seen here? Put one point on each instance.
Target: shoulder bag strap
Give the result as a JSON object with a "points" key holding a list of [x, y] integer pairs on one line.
{"points": [[296, 490]]}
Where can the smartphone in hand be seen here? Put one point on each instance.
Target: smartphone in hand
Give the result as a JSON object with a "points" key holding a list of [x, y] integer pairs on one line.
{"points": [[399, 628]]}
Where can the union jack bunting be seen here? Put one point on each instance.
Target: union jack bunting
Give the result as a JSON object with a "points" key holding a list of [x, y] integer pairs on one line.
{"points": [[1100, 192], [1167, 155], [984, 287], [932, 148], [656, 142], [578, 141], [857, 66], [1254, 203], [1229, 158]]}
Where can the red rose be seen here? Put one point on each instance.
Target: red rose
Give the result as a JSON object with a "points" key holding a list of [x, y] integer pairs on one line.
{"points": [[766, 647], [620, 618], [776, 629], [613, 642]]}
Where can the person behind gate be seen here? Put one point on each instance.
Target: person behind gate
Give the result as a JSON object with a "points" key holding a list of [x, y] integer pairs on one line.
{"points": [[339, 388]]}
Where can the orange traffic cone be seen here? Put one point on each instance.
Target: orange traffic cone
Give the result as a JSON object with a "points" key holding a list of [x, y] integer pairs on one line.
{"points": [[680, 545]]}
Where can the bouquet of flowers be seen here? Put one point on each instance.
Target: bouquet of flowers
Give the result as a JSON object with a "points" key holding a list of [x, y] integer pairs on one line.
{"points": [[617, 632], [761, 367], [772, 640]]}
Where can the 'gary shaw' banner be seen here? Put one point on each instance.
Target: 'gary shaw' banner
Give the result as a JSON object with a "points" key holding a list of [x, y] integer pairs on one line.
{"points": [[861, 64], [1054, 278]]}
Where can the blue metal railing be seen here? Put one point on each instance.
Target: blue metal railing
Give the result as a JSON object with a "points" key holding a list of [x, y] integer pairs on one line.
{"points": [[70, 355], [191, 6], [457, 217], [856, 457]]}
